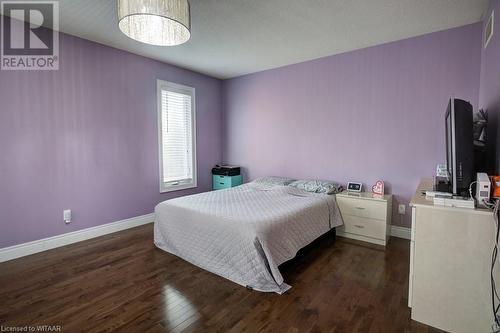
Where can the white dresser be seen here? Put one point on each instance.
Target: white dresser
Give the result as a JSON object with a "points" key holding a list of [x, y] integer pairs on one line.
{"points": [[450, 257], [366, 216]]}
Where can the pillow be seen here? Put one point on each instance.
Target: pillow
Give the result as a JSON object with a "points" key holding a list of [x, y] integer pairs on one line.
{"points": [[317, 186], [272, 180]]}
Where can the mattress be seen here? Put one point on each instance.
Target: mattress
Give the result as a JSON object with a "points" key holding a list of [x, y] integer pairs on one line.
{"points": [[244, 233]]}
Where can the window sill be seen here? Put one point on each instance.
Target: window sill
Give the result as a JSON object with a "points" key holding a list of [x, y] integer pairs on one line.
{"points": [[172, 188]]}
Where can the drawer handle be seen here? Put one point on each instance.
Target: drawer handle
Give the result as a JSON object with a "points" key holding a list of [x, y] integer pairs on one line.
{"points": [[360, 208], [221, 183], [359, 226]]}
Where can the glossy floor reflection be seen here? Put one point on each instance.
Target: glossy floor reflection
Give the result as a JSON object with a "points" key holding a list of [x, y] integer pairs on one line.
{"points": [[121, 282], [178, 308]]}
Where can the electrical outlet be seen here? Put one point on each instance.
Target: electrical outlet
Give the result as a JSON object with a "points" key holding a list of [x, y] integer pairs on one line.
{"points": [[402, 209], [67, 216]]}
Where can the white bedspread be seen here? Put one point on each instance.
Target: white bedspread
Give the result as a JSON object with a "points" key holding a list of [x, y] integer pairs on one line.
{"points": [[245, 232]]}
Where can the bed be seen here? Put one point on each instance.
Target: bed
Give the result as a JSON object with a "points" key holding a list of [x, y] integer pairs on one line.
{"points": [[244, 233]]}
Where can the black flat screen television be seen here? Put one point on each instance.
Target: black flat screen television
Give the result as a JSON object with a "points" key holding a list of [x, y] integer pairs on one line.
{"points": [[459, 146]]}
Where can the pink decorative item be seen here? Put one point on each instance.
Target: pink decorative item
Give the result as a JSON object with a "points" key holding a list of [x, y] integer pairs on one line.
{"points": [[378, 188]]}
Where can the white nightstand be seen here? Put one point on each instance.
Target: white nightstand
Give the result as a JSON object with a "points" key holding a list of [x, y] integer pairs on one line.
{"points": [[366, 216]]}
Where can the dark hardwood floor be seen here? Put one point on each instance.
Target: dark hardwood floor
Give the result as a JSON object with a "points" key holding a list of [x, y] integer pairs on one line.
{"points": [[121, 282]]}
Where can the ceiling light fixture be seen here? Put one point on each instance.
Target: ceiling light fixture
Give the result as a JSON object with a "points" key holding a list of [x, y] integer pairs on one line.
{"points": [[155, 22]]}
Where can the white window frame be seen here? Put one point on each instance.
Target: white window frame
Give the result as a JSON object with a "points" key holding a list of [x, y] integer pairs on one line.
{"points": [[179, 88]]}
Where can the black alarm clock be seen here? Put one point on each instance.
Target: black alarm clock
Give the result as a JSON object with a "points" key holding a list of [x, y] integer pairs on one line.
{"points": [[354, 186]]}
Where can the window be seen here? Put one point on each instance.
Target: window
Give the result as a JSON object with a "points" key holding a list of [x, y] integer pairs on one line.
{"points": [[176, 136]]}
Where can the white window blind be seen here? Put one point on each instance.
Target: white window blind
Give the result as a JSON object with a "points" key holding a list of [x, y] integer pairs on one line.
{"points": [[176, 119]]}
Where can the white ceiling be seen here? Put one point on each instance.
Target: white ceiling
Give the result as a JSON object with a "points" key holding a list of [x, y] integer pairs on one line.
{"points": [[235, 37]]}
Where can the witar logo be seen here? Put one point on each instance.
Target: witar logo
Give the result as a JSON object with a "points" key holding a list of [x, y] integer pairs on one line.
{"points": [[29, 35]]}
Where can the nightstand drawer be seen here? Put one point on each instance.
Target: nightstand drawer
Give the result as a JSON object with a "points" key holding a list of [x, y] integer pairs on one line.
{"points": [[366, 216], [364, 227], [362, 208]]}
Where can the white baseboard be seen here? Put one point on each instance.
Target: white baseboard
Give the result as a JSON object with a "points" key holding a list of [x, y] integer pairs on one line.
{"points": [[400, 232], [25, 249]]}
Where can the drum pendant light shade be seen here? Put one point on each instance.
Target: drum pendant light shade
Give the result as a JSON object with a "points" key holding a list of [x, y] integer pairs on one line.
{"points": [[155, 22]]}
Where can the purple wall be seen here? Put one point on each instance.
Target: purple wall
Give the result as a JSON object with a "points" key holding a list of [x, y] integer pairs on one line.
{"points": [[85, 138], [489, 95], [375, 113]]}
